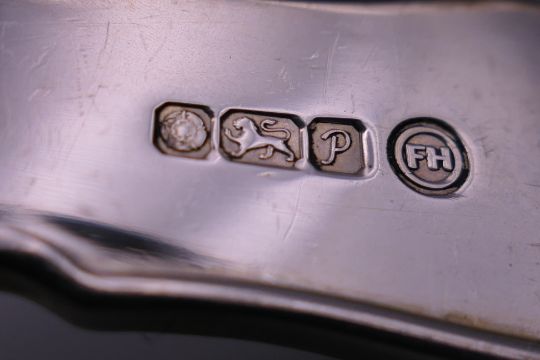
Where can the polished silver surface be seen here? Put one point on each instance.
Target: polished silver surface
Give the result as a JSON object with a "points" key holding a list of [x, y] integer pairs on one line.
{"points": [[79, 85]]}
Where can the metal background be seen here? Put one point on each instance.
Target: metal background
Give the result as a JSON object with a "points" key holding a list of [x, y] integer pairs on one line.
{"points": [[79, 82]]}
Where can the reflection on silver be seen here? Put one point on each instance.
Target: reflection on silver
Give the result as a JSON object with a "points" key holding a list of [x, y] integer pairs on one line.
{"points": [[345, 247]]}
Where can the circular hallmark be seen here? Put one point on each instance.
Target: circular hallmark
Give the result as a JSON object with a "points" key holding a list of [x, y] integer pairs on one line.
{"points": [[427, 155], [183, 131]]}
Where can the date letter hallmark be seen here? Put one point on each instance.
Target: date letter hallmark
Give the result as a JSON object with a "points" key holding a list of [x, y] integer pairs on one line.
{"points": [[336, 145], [334, 148]]}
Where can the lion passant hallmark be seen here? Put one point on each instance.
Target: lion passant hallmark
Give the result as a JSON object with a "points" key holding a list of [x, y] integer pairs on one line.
{"points": [[261, 138]]}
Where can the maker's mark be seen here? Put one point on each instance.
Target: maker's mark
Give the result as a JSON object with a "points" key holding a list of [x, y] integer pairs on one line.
{"points": [[428, 156]]}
